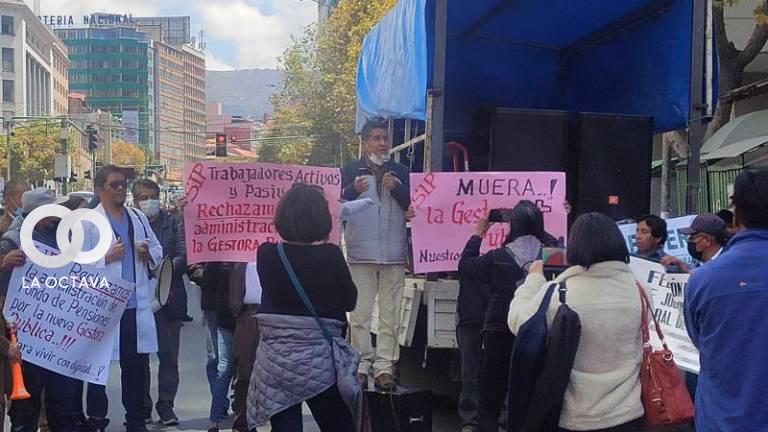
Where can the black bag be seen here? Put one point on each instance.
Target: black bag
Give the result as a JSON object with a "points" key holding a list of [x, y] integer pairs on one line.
{"points": [[541, 366], [403, 410]]}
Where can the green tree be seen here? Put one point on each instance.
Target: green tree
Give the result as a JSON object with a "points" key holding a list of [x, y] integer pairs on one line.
{"points": [[34, 146], [317, 100]]}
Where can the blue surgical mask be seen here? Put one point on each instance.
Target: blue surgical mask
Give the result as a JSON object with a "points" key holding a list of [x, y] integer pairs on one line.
{"points": [[150, 207]]}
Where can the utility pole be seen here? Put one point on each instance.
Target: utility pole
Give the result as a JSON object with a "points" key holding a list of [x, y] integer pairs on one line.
{"points": [[7, 123], [64, 139]]}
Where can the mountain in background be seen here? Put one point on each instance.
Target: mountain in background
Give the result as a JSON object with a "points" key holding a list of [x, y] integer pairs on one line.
{"points": [[243, 92]]}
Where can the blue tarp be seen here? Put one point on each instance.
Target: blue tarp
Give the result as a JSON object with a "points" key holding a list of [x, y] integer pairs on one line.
{"points": [[533, 55]]}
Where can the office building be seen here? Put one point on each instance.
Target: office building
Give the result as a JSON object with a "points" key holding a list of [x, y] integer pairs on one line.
{"points": [[194, 104], [114, 68], [34, 64]]}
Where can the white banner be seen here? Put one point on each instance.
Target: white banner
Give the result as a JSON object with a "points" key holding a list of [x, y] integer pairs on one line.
{"points": [[67, 318], [677, 242], [666, 295]]}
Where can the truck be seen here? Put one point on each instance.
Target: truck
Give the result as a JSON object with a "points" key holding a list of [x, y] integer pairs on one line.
{"points": [[429, 65]]}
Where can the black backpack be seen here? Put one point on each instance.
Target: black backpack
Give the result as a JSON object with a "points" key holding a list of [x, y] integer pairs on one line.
{"points": [[541, 365]]}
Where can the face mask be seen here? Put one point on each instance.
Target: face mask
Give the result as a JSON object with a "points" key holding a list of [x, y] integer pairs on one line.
{"points": [[150, 207], [698, 256], [378, 160]]}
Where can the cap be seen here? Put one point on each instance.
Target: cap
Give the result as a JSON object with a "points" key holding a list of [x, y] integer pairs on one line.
{"points": [[35, 198], [706, 223]]}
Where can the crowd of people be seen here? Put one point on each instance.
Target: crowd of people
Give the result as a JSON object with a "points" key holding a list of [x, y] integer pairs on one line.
{"points": [[294, 326]]}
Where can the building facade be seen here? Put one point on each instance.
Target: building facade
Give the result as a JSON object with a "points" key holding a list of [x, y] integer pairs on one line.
{"points": [[194, 104], [114, 68], [170, 105], [175, 30], [34, 65]]}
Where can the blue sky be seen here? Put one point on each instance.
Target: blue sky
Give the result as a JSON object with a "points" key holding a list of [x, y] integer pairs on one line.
{"points": [[239, 34]]}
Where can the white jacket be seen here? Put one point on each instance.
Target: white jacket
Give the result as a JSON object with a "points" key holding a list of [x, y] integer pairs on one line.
{"points": [[146, 331], [604, 389]]}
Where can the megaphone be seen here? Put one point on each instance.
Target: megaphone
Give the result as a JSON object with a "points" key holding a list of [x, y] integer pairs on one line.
{"points": [[163, 274], [18, 391]]}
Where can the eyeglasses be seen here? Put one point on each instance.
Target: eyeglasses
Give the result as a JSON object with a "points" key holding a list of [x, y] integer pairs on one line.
{"points": [[118, 185]]}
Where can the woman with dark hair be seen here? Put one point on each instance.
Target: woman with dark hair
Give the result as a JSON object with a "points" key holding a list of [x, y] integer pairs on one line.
{"points": [[302, 356], [500, 269], [604, 389]]}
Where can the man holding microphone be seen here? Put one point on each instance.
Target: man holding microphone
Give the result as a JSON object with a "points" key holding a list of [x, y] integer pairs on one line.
{"points": [[376, 243]]}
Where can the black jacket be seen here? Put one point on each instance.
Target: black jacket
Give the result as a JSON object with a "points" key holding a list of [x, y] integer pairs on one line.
{"points": [[170, 232], [214, 292], [498, 270], [473, 293]]}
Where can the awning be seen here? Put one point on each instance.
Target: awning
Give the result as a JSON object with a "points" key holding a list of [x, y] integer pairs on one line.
{"points": [[747, 131], [628, 57], [736, 149]]}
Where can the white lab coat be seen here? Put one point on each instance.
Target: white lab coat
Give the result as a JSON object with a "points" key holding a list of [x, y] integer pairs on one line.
{"points": [[145, 288]]}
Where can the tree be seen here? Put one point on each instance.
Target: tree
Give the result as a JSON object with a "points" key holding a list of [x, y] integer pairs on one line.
{"points": [[732, 60], [317, 101], [34, 146], [127, 154]]}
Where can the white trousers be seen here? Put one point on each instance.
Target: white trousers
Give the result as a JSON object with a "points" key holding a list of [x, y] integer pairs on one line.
{"points": [[385, 281]]}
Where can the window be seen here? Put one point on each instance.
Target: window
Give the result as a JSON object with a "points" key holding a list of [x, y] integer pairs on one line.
{"points": [[7, 91], [7, 25], [8, 59]]}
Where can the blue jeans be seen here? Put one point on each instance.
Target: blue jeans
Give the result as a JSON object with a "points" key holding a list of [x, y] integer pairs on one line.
{"points": [[220, 368]]}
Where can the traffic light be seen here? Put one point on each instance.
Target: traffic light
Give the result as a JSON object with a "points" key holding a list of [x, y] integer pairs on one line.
{"points": [[73, 177], [221, 145], [87, 175], [93, 139]]}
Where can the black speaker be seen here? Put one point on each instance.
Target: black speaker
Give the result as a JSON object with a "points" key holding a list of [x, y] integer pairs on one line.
{"points": [[401, 410], [529, 140], [614, 164]]}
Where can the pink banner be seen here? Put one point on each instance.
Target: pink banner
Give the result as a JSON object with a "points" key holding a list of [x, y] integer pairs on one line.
{"points": [[448, 205], [231, 206]]}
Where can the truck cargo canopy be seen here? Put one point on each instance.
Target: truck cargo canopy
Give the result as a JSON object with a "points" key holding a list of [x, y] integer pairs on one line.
{"points": [[610, 56]]}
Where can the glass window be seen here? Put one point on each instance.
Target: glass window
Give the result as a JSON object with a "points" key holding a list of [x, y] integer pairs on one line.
{"points": [[7, 25], [8, 59], [7, 90]]}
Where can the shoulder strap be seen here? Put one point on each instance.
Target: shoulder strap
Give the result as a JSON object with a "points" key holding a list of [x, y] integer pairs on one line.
{"points": [[644, 324], [300, 290], [562, 290], [546, 300]]}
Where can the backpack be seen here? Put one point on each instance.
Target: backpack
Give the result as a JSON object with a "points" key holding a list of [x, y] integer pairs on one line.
{"points": [[541, 365]]}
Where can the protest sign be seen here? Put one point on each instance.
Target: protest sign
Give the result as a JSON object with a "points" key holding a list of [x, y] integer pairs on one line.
{"points": [[231, 206], [67, 317], [677, 242], [448, 205], [666, 294]]}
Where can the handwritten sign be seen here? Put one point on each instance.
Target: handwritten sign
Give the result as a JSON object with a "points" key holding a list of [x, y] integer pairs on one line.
{"points": [[666, 294], [677, 242], [448, 205], [231, 206], [67, 318]]}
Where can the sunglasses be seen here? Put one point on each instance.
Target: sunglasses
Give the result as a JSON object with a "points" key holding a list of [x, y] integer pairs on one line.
{"points": [[118, 185]]}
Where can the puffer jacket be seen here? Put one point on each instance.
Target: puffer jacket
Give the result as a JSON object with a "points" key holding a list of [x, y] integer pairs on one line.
{"points": [[377, 234], [295, 362]]}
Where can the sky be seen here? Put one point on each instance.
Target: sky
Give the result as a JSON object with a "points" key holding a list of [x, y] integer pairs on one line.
{"points": [[239, 34]]}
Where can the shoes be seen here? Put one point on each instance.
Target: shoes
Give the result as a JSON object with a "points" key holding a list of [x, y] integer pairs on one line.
{"points": [[213, 429], [96, 425], [187, 318], [385, 381], [168, 417]]}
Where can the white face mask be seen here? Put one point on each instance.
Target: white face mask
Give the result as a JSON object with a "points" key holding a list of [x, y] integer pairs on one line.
{"points": [[378, 160], [150, 207]]}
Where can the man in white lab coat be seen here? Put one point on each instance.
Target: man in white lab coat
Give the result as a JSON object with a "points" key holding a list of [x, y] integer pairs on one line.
{"points": [[135, 248]]}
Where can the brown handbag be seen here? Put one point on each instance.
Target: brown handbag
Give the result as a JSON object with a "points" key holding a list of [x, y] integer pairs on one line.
{"points": [[665, 397]]}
